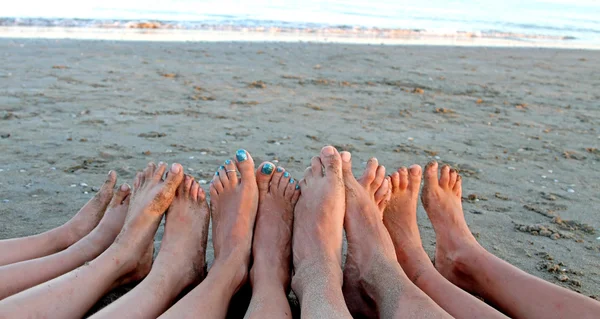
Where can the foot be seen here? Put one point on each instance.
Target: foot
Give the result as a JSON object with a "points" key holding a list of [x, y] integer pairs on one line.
{"points": [[150, 199], [400, 219], [319, 217], [376, 187], [91, 213], [182, 255], [455, 245], [278, 193], [234, 202]]}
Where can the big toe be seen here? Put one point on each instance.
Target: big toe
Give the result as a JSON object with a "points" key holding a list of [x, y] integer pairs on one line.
{"points": [[245, 165], [414, 177], [174, 178], [106, 191], [331, 160], [370, 172], [431, 174], [264, 172]]}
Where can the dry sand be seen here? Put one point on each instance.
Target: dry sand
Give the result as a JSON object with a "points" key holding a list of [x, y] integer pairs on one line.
{"points": [[520, 124]]}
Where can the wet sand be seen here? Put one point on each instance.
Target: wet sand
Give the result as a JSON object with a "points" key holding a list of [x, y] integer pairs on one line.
{"points": [[520, 124]]}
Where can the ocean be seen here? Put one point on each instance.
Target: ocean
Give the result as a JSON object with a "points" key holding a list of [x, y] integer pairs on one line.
{"points": [[574, 20]]}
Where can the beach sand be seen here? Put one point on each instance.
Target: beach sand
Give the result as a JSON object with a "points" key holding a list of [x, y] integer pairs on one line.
{"points": [[520, 124]]}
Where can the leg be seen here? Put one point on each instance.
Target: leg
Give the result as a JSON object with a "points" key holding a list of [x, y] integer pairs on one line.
{"points": [[400, 218], [57, 239], [371, 252], [272, 245], [234, 203], [180, 263], [465, 263], [317, 239], [26, 274], [128, 259]]}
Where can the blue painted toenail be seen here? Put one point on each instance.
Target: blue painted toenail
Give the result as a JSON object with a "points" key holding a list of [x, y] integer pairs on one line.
{"points": [[241, 155], [221, 167], [291, 180], [227, 162], [216, 173], [286, 174], [267, 169], [297, 186], [279, 169]]}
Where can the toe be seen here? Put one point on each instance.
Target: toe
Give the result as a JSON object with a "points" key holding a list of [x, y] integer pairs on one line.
{"points": [[395, 179], [245, 165], [160, 171], [137, 180], [120, 195], [403, 178], [414, 177], [213, 192], [231, 171], [458, 186], [290, 189], [379, 177], [224, 177], [332, 161], [174, 178], [276, 178], [308, 175], [264, 172], [105, 194], [216, 182], [453, 176], [382, 191], [370, 173], [296, 195], [346, 163], [184, 188], [445, 176], [317, 166], [431, 173], [149, 171], [194, 191], [284, 181], [201, 194]]}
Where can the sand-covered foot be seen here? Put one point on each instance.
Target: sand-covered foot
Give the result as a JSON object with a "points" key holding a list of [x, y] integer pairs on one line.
{"points": [[150, 199], [400, 219], [182, 255], [455, 245], [376, 187], [91, 213], [234, 202], [319, 215], [272, 245]]}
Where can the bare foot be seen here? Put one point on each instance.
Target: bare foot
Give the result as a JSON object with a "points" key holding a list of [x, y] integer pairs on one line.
{"points": [[454, 241], [150, 199], [182, 255], [375, 184], [91, 213], [272, 246], [234, 202]]}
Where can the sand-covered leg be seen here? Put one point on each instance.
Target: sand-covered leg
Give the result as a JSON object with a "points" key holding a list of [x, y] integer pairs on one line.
{"points": [[400, 219], [270, 275], [465, 263], [181, 261], [373, 259], [57, 239], [128, 259], [26, 274], [234, 202]]}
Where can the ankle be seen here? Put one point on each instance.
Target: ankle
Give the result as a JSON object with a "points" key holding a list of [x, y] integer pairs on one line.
{"points": [[232, 268], [311, 272], [270, 276], [414, 261]]}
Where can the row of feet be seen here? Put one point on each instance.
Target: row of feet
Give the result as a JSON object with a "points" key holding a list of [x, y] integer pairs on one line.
{"points": [[260, 216]]}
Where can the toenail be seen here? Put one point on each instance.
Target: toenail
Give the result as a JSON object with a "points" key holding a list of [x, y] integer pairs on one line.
{"points": [[297, 186], [160, 163], [124, 187], [286, 174], [267, 169], [279, 169], [216, 173], [227, 162], [346, 156], [241, 155], [328, 150], [109, 172], [221, 167], [175, 168], [292, 180]]}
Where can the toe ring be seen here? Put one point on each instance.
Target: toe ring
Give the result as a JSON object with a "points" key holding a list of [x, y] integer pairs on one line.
{"points": [[230, 170]]}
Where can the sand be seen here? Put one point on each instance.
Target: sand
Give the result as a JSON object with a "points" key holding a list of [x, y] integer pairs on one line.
{"points": [[520, 124]]}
